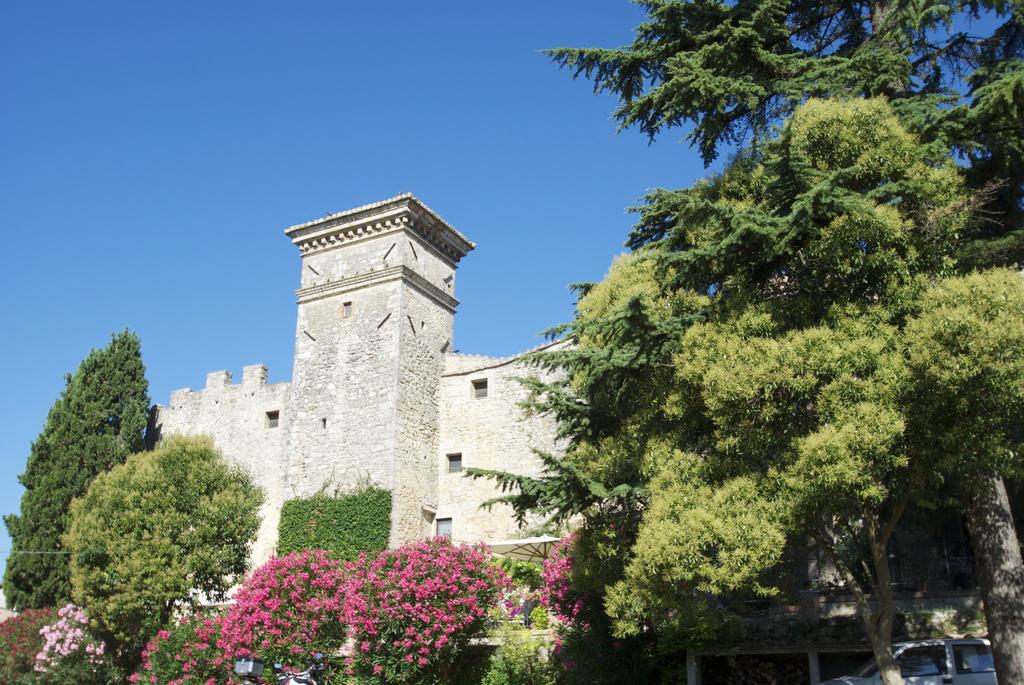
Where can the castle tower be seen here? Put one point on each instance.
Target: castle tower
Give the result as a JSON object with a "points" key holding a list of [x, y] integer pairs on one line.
{"points": [[376, 305]]}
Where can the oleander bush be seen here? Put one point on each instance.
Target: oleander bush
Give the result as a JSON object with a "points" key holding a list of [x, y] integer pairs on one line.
{"points": [[186, 653], [288, 610], [394, 617], [20, 642], [72, 653], [556, 592], [411, 611]]}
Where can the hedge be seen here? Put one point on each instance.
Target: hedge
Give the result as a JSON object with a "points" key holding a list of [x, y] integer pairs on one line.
{"points": [[345, 524]]}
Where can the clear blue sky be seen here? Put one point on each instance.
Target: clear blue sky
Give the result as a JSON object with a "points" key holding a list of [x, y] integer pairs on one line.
{"points": [[151, 154]]}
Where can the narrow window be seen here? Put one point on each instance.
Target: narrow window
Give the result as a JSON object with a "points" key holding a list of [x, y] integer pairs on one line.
{"points": [[480, 388], [323, 423], [454, 463], [346, 310], [444, 528], [273, 419]]}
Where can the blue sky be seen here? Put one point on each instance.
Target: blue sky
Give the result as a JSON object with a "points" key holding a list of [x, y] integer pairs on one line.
{"points": [[152, 153]]}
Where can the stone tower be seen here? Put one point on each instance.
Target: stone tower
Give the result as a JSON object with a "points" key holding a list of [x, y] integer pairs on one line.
{"points": [[377, 395], [376, 305]]}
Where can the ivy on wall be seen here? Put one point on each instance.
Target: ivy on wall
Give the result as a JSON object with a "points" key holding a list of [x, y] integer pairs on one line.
{"points": [[345, 524]]}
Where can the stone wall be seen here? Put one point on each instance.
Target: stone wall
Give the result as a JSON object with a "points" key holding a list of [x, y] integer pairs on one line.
{"points": [[344, 385], [236, 417], [490, 433], [426, 335]]}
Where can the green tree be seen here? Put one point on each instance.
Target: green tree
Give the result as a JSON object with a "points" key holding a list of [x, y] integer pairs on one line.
{"points": [[968, 399], [764, 390], [731, 71], [97, 421], [166, 529]]}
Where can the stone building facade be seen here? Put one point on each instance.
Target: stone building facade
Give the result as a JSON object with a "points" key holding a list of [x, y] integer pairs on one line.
{"points": [[377, 393]]}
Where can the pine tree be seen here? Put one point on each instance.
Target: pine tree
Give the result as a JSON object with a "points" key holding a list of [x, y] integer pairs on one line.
{"points": [[98, 420], [731, 71]]}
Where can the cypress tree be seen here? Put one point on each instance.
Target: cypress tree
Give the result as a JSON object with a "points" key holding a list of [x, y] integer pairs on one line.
{"points": [[98, 420]]}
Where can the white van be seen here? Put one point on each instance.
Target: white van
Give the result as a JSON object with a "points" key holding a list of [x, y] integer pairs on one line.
{"points": [[933, 662]]}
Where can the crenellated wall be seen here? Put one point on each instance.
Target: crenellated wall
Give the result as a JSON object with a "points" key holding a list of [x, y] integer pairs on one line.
{"points": [[235, 416]]}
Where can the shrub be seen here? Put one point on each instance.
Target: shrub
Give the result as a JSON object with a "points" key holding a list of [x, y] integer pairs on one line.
{"points": [[522, 573], [20, 641], [412, 610], [539, 618], [520, 660], [71, 653], [158, 532], [344, 524], [557, 594], [288, 610], [186, 653]]}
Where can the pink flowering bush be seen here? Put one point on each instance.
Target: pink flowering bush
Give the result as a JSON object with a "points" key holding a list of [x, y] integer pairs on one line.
{"points": [[70, 651], [288, 610], [186, 654], [556, 594], [411, 610], [20, 641]]}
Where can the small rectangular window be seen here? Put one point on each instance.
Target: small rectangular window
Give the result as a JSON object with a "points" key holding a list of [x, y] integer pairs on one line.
{"points": [[273, 419], [480, 388], [444, 528], [323, 423], [346, 310], [454, 463]]}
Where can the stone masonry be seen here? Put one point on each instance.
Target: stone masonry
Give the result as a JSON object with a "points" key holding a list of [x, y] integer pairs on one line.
{"points": [[377, 395]]}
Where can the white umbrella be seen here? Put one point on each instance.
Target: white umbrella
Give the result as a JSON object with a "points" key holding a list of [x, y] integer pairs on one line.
{"points": [[527, 549]]}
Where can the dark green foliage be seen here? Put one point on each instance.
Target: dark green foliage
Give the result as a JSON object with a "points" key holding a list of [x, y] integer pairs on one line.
{"points": [[561, 492], [97, 421], [591, 655], [731, 71], [344, 524]]}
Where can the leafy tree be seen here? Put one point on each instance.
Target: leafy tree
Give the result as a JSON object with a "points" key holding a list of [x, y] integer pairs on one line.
{"points": [[97, 421], [731, 71], [968, 399], [781, 405], [166, 529]]}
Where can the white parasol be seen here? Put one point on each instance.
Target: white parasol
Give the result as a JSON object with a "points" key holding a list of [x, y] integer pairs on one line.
{"points": [[527, 549]]}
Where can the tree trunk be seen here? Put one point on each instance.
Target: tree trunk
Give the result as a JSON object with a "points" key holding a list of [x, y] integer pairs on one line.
{"points": [[878, 621], [888, 669], [881, 619], [1000, 574]]}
